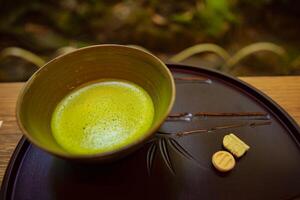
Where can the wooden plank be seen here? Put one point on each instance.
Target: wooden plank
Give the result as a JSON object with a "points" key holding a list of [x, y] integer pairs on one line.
{"points": [[10, 134], [284, 90]]}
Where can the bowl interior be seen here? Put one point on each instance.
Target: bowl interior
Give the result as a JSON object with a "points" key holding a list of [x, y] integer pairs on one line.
{"points": [[62, 75]]}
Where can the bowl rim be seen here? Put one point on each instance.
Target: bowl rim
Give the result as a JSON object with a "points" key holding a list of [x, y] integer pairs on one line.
{"points": [[103, 155]]}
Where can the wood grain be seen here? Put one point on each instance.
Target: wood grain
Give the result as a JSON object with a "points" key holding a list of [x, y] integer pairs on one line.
{"points": [[284, 90], [9, 131]]}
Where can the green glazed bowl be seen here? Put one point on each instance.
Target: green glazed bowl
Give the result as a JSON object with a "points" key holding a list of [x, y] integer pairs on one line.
{"points": [[50, 84]]}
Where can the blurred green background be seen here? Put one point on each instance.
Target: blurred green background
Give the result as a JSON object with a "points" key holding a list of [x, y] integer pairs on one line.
{"points": [[222, 31]]}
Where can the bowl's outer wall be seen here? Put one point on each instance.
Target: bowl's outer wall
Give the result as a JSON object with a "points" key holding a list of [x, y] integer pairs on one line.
{"points": [[62, 75]]}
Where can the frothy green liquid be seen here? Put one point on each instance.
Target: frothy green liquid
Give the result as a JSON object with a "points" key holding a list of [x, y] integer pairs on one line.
{"points": [[102, 116]]}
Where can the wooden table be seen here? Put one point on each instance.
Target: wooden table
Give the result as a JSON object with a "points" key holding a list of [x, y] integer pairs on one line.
{"points": [[284, 90]]}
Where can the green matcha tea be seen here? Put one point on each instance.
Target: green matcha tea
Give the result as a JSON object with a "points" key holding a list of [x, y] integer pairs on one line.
{"points": [[102, 116]]}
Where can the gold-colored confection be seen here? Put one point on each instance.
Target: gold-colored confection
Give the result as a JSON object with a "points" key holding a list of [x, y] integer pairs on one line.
{"points": [[223, 161], [235, 145]]}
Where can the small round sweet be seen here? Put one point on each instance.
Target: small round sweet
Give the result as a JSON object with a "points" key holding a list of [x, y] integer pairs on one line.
{"points": [[223, 161]]}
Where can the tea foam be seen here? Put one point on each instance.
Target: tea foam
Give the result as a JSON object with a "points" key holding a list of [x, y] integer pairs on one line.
{"points": [[102, 116]]}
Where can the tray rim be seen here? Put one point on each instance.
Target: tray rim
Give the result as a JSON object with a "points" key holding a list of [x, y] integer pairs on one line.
{"points": [[11, 171], [17, 157]]}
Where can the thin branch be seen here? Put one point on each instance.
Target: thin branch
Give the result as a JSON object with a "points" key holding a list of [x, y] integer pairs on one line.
{"points": [[200, 48], [24, 54], [185, 116], [180, 80], [250, 49], [212, 129]]}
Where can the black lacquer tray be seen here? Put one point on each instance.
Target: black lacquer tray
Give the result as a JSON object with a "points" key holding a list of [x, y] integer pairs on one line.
{"points": [[176, 163]]}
